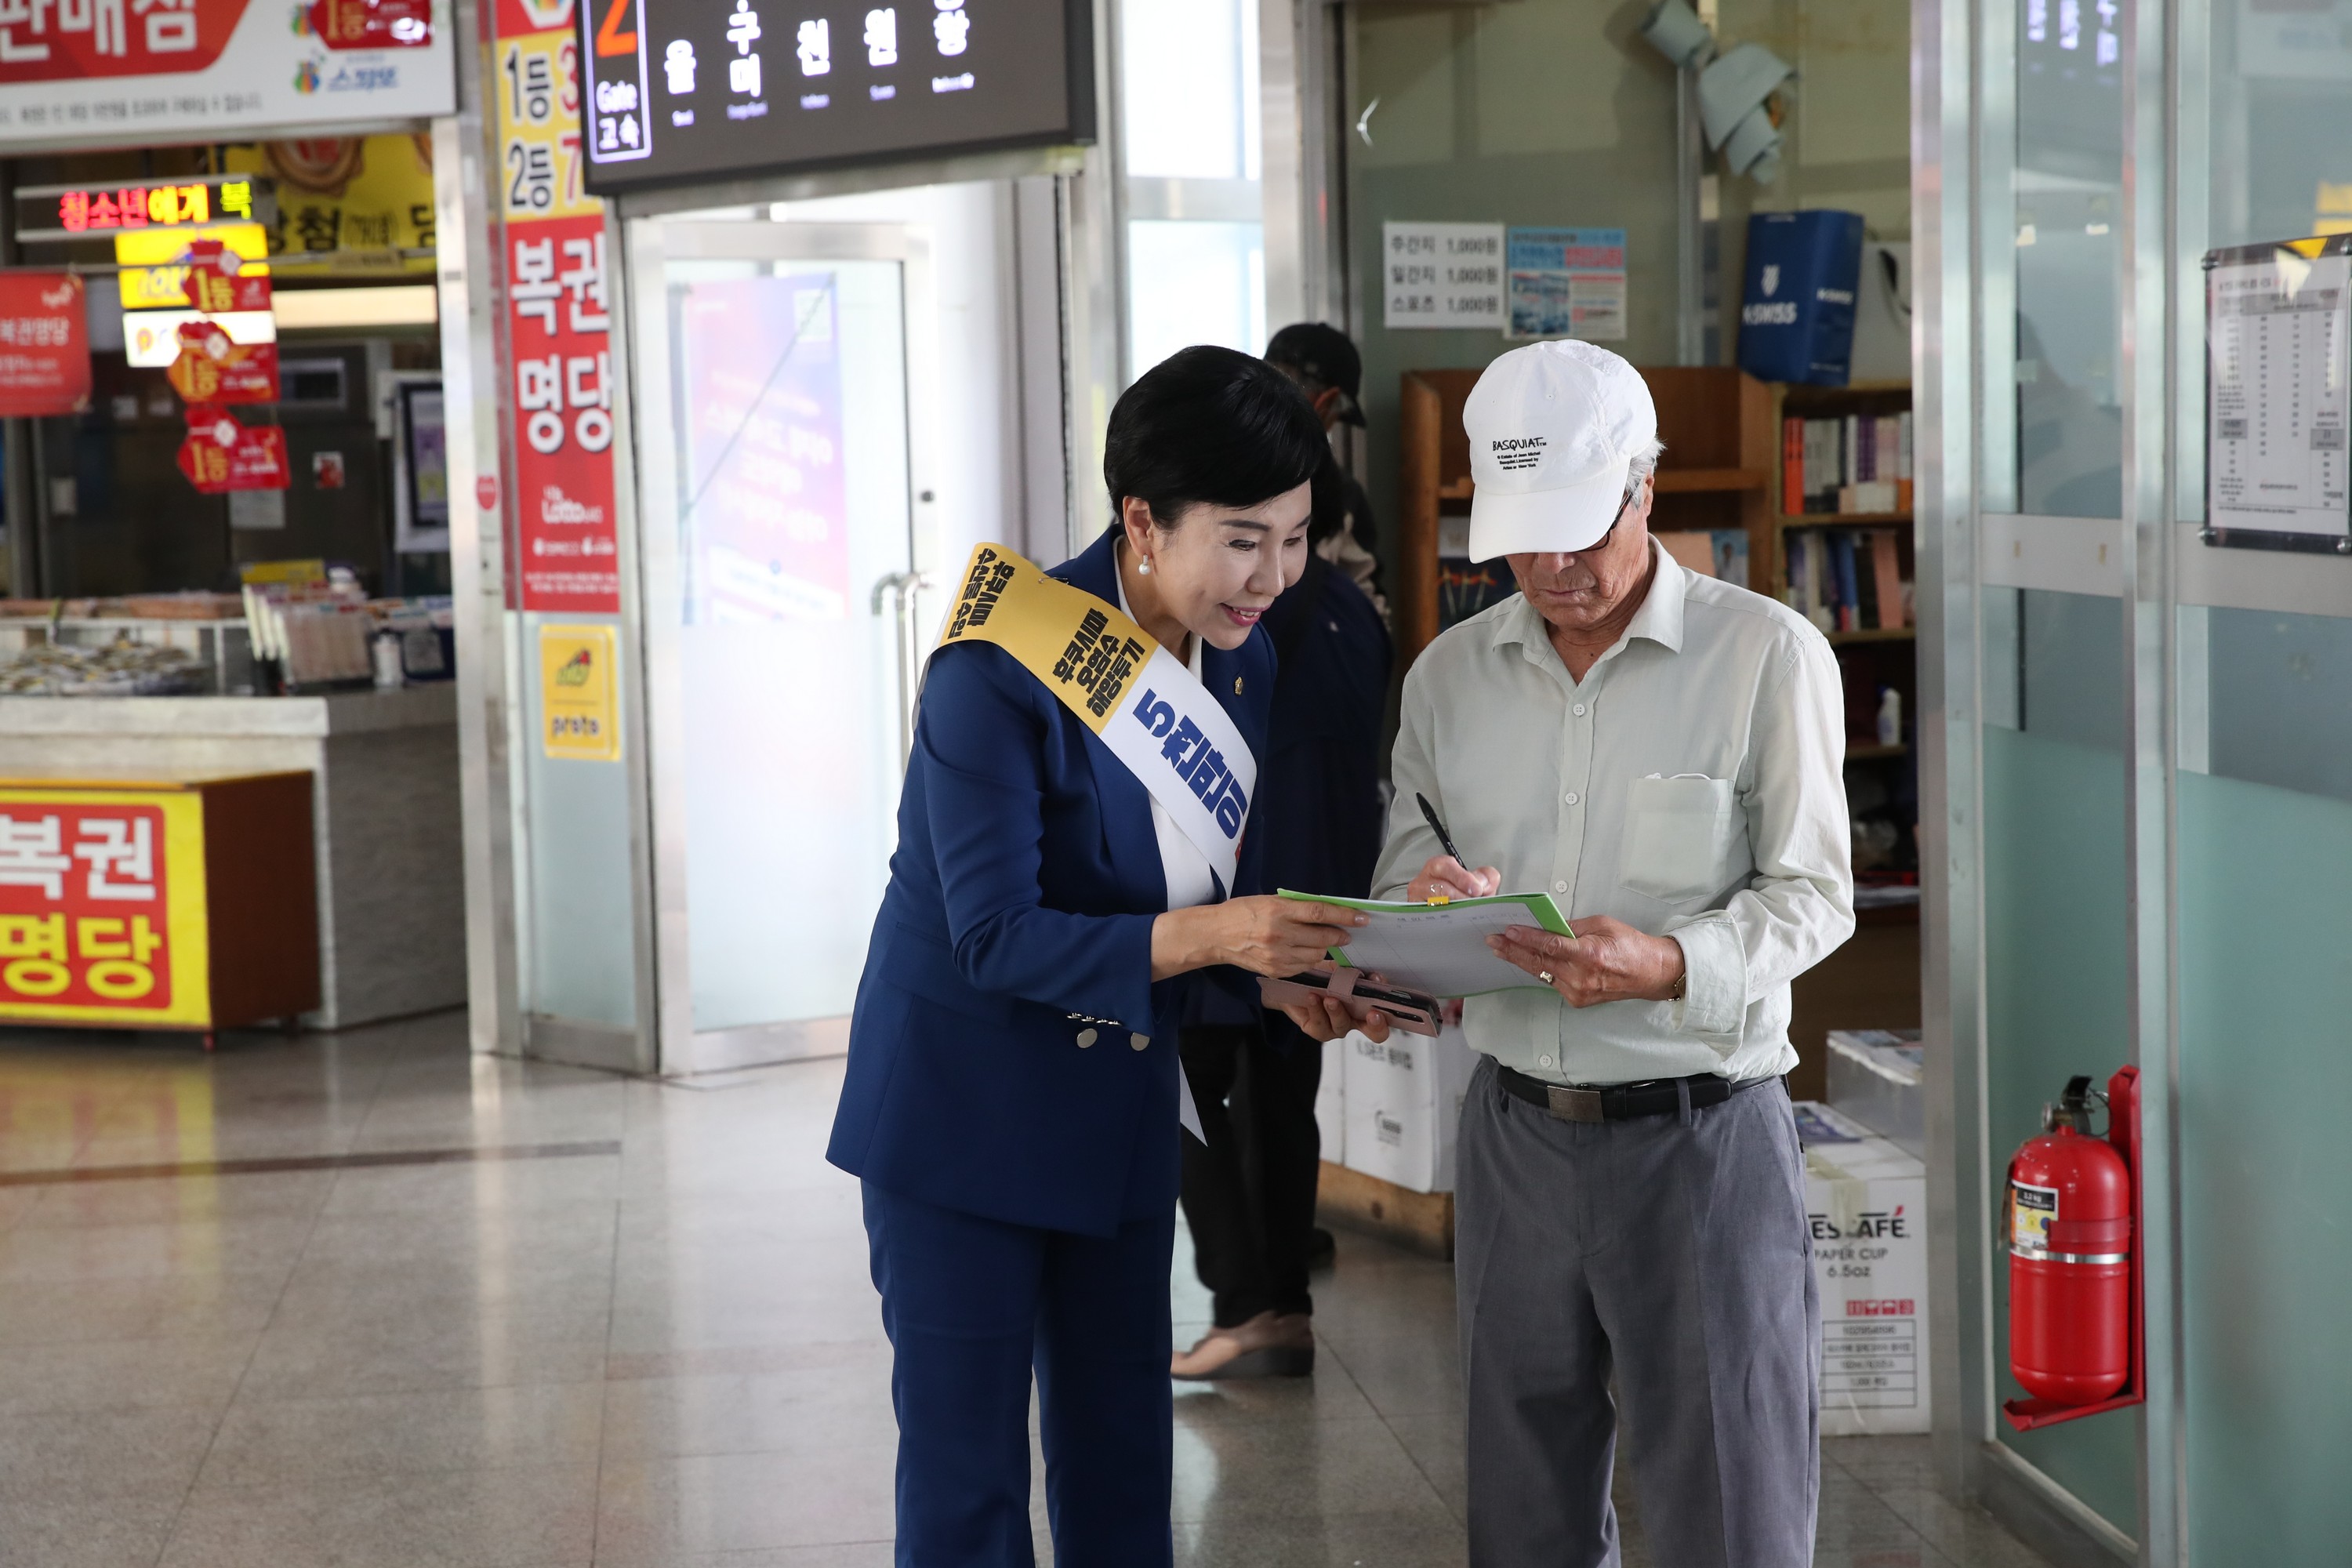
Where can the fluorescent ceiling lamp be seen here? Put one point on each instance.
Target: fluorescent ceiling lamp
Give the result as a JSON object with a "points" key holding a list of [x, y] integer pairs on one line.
{"points": [[394, 305], [151, 339]]}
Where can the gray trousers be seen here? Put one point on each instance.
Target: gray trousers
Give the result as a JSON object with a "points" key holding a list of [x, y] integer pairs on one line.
{"points": [[1674, 1251]]}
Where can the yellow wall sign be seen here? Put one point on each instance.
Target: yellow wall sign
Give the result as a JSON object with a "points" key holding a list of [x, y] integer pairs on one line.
{"points": [[102, 904], [154, 287], [578, 694]]}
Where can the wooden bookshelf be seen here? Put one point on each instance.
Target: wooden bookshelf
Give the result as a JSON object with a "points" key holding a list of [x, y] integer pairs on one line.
{"points": [[1721, 464]]}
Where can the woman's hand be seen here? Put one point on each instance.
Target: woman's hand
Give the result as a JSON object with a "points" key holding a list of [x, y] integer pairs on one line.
{"points": [[1265, 935], [1326, 1018], [1444, 874]]}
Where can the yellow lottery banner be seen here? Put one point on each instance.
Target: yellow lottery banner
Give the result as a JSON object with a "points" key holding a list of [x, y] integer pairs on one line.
{"points": [[541, 161], [1146, 708], [103, 905]]}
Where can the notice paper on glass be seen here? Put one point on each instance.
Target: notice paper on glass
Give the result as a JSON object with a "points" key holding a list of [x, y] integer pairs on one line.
{"points": [[1441, 949], [2279, 396], [1441, 274], [1568, 283]]}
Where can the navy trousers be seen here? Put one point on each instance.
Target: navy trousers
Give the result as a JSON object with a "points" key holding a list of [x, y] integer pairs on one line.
{"points": [[974, 1308]]}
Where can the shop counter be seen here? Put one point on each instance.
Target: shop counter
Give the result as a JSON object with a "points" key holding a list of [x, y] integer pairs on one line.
{"points": [[384, 813]]}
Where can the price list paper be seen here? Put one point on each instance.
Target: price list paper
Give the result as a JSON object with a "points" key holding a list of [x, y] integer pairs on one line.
{"points": [[1442, 275], [2279, 396]]}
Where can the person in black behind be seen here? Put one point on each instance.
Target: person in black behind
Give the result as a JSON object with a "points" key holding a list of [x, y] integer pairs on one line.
{"points": [[1249, 1191]]}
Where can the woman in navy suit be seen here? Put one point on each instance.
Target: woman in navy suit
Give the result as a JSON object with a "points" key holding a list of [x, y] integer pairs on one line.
{"points": [[1012, 1098]]}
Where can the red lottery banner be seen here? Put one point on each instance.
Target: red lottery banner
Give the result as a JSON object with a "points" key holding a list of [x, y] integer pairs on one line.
{"points": [[563, 415], [219, 280], [221, 455], [65, 40], [103, 905], [212, 369], [559, 360], [371, 24], [44, 344]]}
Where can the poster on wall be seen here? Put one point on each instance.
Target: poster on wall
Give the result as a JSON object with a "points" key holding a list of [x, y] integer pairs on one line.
{"points": [[44, 344], [98, 70], [1441, 274], [369, 199], [558, 322], [766, 513], [2278, 402], [1568, 283], [579, 702]]}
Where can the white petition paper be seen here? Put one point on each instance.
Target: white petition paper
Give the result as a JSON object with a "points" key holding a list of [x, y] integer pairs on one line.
{"points": [[1440, 947]]}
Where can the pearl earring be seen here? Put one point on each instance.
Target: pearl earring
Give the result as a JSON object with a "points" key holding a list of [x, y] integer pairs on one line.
{"points": [[1143, 567]]}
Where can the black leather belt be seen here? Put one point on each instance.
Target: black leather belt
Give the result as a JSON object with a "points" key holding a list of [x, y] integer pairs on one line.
{"points": [[1618, 1101]]}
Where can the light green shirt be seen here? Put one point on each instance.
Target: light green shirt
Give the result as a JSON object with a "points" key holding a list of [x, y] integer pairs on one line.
{"points": [[1691, 785]]}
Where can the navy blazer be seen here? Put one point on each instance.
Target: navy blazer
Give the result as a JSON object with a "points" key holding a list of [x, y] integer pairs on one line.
{"points": [[1010, 1056]]}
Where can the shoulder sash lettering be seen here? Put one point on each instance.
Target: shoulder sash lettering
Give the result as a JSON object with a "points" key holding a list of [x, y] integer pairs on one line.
{"points": [[1143, 704]]}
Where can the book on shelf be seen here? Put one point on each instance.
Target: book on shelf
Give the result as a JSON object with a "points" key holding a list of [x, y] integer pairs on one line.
{"points": [[1859, 464], [1720, 552], [1847, 579]]}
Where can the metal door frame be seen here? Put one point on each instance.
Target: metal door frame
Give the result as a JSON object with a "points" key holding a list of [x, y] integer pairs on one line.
{"points": [[650, 244]]}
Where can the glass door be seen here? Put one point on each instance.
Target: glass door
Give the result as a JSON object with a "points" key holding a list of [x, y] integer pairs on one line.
{"points": [[777, 476]]}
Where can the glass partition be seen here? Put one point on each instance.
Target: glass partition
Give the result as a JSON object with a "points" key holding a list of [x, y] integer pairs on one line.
{"points": [[2266, 848], [2067, 190]]}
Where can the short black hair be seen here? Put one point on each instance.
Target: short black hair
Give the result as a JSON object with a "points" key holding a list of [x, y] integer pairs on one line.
{"points": [[1329, 513], [1209, 424]]}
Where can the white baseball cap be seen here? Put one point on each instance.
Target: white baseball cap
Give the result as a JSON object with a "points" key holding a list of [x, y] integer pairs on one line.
{"points": [[1554, 429]]}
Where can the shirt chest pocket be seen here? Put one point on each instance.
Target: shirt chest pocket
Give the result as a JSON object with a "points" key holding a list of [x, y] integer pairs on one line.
{"points": [[1679, 836]]}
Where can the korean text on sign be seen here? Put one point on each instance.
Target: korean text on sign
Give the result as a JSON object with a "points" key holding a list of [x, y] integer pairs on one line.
{"points": [[85, 910]]}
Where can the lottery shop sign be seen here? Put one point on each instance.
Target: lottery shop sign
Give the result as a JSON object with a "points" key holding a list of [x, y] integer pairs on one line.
{"points": [[86, 71], [44, 344], [559, 360], [102, 907]]}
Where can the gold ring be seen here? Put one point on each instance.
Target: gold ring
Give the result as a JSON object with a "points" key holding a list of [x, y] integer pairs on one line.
{"points": [[1544, 975]]}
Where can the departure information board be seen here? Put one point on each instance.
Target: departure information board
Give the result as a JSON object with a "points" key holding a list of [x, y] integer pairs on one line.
{"points": [[686, 91]]}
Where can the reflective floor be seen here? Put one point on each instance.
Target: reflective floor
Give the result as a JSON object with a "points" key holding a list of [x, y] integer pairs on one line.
{"points": [[366, 1300]]}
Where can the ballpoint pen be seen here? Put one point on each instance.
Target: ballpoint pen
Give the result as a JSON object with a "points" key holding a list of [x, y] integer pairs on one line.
{"points": [[1437, 825]]}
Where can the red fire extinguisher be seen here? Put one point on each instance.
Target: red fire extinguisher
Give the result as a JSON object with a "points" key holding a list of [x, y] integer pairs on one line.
{"points": [[2069, 1229]]}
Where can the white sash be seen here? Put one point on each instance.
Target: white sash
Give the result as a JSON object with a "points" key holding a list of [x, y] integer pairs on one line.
{"points": [[1158, 721]]}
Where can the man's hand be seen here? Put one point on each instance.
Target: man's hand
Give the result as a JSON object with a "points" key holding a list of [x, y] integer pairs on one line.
{"points": [[1444, 874], [1608, 961]]}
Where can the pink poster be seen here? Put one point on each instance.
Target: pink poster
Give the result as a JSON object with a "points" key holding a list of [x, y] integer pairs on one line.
{"points": [[764, 508]]}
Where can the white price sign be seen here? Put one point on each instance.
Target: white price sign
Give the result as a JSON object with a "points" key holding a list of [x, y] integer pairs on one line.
{"points": [[1444, 274]]}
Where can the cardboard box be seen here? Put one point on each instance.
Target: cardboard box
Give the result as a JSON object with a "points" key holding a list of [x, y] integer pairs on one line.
{"points": [[1867, 1201], [1403, 1107], [1874, 1079], [1331, 1102]]}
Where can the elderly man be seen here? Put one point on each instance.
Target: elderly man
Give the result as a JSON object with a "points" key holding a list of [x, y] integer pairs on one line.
{"points": [[1661, 753]]}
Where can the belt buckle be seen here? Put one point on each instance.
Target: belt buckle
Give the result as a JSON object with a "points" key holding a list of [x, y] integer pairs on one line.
{"points": [[1573, 1104]]}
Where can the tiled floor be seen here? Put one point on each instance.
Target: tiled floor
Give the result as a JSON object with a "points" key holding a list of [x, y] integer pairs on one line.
{"points": [[538, 1318]]}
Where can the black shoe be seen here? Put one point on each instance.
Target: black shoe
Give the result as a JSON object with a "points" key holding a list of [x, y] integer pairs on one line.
{"points": [[1321, 1248]]}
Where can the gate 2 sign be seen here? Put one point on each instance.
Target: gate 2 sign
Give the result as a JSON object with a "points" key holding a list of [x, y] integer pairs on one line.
{"points": [[680, 90]]}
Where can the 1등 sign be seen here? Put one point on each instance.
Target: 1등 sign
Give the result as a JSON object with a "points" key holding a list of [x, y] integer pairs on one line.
{"points": [[212, 369], [221, 455], [371, 24], [219, 279]]}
